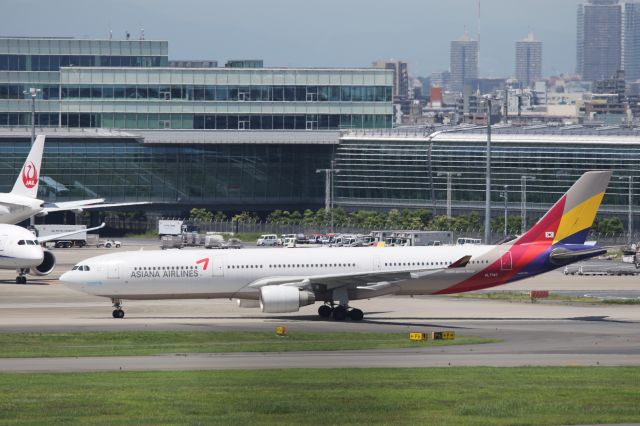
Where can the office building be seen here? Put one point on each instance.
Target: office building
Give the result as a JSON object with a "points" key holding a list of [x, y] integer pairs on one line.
{"points": [[528, 61], [400, 77], [632, 41], [599, 39], [464, 62]]}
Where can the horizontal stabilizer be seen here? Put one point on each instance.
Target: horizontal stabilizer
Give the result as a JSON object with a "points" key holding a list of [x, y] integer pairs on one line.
{"points": [[562, 256]]}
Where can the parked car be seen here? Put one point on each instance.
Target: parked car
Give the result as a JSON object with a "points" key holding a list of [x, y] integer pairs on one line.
{"points": [[109, 244], [267, 240]]}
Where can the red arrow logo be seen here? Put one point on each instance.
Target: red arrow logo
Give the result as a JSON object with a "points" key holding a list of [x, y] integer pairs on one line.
{"points": [[204, 262]]}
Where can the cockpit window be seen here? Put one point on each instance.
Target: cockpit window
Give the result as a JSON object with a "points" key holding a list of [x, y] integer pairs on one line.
{"points": [[74, 268], [21, 242], [31, 243], [86, 268]]}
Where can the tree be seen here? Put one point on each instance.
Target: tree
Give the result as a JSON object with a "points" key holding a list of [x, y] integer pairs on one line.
{"points": [[219, 216], [609, 226], [245, 217], [200, 214]]}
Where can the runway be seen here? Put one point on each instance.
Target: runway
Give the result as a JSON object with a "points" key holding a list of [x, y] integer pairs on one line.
{"points": [[555, 334]]}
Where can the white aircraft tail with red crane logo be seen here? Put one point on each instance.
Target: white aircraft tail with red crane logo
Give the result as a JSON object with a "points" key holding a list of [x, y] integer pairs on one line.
{"points": [[27, 183]]}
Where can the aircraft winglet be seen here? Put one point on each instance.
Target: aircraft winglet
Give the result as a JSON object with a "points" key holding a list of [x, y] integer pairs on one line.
{"points": [[460, 263]]}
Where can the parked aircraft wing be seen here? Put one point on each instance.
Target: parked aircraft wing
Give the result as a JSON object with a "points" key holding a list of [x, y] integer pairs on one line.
{"points": [[86, 205], [67, 234]]}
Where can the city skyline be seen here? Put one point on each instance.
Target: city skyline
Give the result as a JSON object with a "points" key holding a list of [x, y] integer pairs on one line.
{"points": [[339, 34]]}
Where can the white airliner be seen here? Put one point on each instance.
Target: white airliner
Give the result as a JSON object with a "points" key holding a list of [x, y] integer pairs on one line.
{"points": [[22, 202], [21, 250], [283, 280]]}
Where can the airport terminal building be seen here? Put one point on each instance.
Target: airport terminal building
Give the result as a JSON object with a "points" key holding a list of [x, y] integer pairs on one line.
{"points": [[408, 168], [124, 125]]}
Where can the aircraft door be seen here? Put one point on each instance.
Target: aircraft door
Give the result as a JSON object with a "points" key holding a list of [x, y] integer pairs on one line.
{"points": [[218, 267], [113, 272], [3, 242], [506, 262]]}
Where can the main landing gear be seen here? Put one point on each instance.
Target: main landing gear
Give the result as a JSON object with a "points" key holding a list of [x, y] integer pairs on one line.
{"points": [[118, 312], [340, 313], [21, 279]]}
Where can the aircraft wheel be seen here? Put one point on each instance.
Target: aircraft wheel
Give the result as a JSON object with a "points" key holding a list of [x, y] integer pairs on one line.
{"points": [[118, 313], [339, 313], [325, 311], [356, 315]]}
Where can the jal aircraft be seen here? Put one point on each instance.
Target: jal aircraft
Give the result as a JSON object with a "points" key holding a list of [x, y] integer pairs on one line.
{"points": [[22, 202], [22, 251], [281, 281]]}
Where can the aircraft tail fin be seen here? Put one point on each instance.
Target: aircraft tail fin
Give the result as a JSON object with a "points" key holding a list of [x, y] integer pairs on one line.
{"points": [[27, 183], [571, 217]]}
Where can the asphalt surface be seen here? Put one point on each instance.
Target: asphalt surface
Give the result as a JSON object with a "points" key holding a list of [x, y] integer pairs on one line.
{"points": [[563, 334]]}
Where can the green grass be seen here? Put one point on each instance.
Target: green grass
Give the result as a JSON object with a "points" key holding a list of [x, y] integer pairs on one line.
{"points": [[157, 342], [442, 396], [248, 237], [149, 235], [524, 297]]}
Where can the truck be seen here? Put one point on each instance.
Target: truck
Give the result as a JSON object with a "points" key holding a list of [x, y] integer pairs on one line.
{"points": [[76, 240], [176, 227]]}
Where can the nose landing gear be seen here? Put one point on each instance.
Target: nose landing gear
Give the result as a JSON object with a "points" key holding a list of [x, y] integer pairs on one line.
{"points": [[21, 279], [118, 312]]}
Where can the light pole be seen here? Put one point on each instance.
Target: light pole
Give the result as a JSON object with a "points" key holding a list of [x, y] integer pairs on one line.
{"points": [[449, 188], [487, 202], [33, 92], [630, 203], [523, 186], [630, 213], [328, 190], [505, 194]]}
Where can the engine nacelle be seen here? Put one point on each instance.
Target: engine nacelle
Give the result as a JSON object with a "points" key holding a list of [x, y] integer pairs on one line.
{"points": [[248, 303], [47, 265], [280, 299]]}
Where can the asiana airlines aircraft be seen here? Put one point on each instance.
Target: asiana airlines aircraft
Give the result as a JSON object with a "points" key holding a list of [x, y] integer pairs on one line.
{"points": [[280, 281]]}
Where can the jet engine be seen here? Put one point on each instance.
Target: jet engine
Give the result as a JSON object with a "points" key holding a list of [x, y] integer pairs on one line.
{"points": [[248, 303], [282, 299], [47, 265]]}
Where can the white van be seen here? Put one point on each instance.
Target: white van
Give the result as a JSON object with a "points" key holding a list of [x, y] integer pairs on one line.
{"points": [[267, 240]]}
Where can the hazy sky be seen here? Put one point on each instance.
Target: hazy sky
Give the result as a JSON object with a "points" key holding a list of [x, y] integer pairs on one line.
{"points": [[332, 33]]}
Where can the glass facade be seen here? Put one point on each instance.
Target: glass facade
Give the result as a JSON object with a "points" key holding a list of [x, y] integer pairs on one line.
{"points": [[242, 176], [396, 171], [55, 62], [229, 93], [127, 84]]}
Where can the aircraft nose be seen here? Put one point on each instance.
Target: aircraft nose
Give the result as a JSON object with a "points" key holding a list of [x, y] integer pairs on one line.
{"points": [[68, 277]]}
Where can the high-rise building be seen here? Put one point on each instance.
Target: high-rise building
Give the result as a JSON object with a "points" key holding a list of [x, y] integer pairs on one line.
{"points": [[400, 77], [464, 62], [528, 60], [632, 41], [599, 39]]}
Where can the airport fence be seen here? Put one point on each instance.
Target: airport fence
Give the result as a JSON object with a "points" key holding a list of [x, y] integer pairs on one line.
{"points": [[122, 226]]}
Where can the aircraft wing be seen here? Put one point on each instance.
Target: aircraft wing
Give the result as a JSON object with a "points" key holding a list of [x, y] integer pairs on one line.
{"points": [[67, 234], [362, 280], [81, 205]]}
